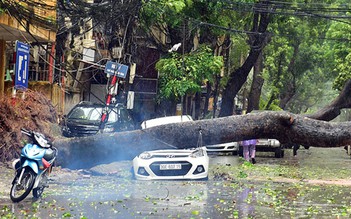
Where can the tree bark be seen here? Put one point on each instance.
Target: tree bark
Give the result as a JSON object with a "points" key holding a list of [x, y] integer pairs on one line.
{"points": [[256, 87], [239, 76], [274, 93], [281, 125], [290, 88]]}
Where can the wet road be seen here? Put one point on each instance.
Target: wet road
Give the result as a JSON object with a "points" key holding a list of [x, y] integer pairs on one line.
{"points": [[315, 184]]}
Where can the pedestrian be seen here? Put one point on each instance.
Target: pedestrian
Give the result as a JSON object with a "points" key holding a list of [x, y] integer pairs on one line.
{"points": [[249, 150]]}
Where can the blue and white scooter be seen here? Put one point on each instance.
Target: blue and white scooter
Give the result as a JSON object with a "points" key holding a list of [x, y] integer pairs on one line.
{"points": [[33, 167]]}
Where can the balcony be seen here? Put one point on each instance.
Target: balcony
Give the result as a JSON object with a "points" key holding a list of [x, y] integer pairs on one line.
{"points": [[14, 28]]}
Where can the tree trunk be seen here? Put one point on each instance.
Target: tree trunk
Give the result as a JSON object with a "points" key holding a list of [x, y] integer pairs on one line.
{"points": [[290, 88], [208, 95], [274, 93], [256, 87], [197, 105], [215, 96], [239, 76], [286, 127]]}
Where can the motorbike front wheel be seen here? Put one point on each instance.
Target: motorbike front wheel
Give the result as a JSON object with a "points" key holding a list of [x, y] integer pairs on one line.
{"points": [[20, 190], [37, 192]]}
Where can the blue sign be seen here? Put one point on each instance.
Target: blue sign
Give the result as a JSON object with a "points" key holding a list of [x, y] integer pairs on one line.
{"points": [[112, 68], [22, 65]]}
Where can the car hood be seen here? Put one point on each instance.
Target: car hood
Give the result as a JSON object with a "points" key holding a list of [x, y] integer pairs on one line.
{"points": [[78, 122], [177, 152]]}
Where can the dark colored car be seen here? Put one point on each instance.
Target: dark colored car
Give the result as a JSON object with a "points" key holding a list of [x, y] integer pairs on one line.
{"points": [[84, 120]]}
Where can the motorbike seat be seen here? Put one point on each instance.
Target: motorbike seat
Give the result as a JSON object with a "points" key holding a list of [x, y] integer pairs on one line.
{"points": [[49, 154]]}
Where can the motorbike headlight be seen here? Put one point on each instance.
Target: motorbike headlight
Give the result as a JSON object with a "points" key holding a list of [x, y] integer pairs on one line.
{"points": [[145, 155], [197, 153]]}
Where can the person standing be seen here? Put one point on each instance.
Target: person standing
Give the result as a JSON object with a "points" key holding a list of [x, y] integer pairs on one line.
{"points": [[249, 150]]}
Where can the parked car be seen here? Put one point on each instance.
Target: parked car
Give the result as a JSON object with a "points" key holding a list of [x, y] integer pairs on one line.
{"points": [[171, 164], [165, 120], [84, 120], [231, 147]]}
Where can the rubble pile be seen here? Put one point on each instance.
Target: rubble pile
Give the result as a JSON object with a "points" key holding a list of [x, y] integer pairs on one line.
{"points": [[33, 112]]}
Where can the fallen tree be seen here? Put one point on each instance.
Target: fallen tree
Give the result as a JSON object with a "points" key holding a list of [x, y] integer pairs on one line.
{"points": [[281, 125]]}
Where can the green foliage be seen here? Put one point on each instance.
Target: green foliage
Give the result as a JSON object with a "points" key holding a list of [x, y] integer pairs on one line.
{"points": [[181, 75], [344, 73], [172, 13], [339, 53], [300, 44], [163, 11]]}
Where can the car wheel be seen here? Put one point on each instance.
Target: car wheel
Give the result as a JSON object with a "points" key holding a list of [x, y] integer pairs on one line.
{"points": [[279, 153], [241, 151], [132, 173]]}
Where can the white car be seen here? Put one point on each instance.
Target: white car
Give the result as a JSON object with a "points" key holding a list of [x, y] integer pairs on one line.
{"points": [[229, 147], [171, 164], [165, 120]]}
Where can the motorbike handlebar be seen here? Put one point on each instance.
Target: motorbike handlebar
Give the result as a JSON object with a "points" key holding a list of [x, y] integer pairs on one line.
{"points": [[26, 132]]}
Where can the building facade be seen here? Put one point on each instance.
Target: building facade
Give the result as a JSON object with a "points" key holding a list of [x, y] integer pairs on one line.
{"points": [[34, 25]]}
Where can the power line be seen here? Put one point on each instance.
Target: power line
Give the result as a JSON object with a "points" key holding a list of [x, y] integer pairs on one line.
{"points": [[285, 8], [26, 28], [232, 30]]}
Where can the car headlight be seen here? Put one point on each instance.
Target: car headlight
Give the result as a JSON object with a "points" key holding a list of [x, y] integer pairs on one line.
{"points": [[145, 155], [65, 128], [197, 153], [108, 129]]}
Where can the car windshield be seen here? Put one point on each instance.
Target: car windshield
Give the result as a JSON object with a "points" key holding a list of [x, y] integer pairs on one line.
{"points": [[91, 114]]}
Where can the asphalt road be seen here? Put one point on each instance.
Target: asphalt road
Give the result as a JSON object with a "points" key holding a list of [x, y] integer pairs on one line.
{"points": [[315, 184]]}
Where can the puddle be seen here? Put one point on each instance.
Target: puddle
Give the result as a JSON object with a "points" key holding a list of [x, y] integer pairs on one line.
{"points": [[235, 196]]}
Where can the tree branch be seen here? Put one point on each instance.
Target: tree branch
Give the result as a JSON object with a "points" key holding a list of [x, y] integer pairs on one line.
{"points": [[331, 111]]}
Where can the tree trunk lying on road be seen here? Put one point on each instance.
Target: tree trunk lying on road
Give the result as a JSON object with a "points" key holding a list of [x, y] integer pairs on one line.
{"points": [[281, 125]]}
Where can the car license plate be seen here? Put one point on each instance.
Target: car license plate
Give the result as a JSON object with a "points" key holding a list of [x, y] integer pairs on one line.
{"points": [[176, 166]]}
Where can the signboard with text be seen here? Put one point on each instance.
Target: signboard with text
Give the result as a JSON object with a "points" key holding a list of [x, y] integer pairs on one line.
{"points": [[112, 68], [22, 65]]}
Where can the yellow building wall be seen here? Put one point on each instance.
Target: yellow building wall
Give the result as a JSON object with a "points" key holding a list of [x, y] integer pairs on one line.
{"points": [[51, 91], [41, 31]]}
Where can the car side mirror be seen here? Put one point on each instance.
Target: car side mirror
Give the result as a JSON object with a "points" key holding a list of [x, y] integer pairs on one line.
{"points": [[63, 120]]}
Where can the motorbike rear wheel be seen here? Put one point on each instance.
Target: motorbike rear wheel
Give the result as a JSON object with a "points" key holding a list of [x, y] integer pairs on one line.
{"points": [[20, 190]]}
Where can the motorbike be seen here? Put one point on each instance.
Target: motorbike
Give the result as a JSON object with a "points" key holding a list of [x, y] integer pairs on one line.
{"points": [[33, 167]]}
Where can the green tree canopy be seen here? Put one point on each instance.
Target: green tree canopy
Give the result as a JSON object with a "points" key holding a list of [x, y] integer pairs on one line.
{"points": [[185, 74]]}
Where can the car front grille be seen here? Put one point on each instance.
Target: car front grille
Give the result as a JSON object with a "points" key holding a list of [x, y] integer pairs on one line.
{"points": [[186, 166], [169, 156], [83, 130]]}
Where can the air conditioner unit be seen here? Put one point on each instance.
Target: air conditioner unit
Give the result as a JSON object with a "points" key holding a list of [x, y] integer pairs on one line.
{"points": [[117, 52]]}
